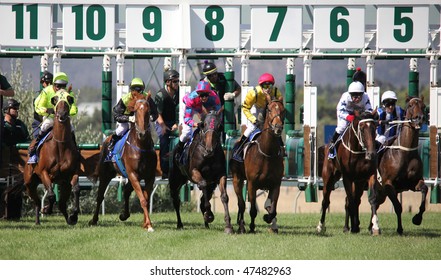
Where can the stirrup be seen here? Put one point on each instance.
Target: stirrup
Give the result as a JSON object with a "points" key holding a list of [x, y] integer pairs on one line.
{"points": [[109, 157], [331, 153]]}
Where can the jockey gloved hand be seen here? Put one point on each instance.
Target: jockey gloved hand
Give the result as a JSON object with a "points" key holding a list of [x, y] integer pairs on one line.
{"points": [[50, 111], [132, 119], [229, 95], [350, 118]]}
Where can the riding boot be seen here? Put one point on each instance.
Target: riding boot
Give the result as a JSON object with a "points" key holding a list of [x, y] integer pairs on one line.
{"points": [[179, 150], [331, 153], [74, 139], [238, 148], [112, 142], [33, 148], [282, 147]]}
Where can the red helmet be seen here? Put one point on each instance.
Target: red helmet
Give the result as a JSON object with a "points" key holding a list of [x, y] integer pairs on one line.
{"points": [[203, 86], [266, 78]]}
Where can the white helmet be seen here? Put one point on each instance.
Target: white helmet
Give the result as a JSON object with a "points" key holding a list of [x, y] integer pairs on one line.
{"points": [[389, 95], [356, 87]]}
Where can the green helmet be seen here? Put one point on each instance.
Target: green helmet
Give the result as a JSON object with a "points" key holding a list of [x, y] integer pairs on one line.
{"points": [[137, 84], [61, 78]]}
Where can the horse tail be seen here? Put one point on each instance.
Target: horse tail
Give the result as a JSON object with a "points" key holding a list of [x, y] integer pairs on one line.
{"points": [[321, 159], [94, 176]]}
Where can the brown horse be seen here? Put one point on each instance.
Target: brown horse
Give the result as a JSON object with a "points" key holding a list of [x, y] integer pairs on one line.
{"points": [[356, 163], [205, 166], [59, 161], [262, 167], [401, 168], [139, 160]]}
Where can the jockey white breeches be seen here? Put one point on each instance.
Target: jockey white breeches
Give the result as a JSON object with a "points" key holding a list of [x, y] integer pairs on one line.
{"points": [[185, 133], [251, 126], [121, 128]]}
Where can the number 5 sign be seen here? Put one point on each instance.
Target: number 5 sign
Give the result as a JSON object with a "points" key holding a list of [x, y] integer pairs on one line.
{"points": [[89, 26], [339, 27], [403, 27]]}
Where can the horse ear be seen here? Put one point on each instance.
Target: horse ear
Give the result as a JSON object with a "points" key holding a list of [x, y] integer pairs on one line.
{"points": [[54, 100], [268, 98], [220, 111], [70, 100], [280, 98], [149, 94]]}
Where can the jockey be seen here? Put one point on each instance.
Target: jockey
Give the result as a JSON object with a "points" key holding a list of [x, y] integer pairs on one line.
{"points": [[123, 116], [44, 107], [46, 80], [202, 96], [255, 104], [350, 100], [389, 112]]}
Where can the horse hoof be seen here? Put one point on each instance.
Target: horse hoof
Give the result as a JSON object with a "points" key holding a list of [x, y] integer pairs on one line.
{"points": [[72, 220], [123, 217], [47, 210], [150, 229], [92, 223], [267, 218], [229, 230], [273, 230], [208, 217], [417, 219], [376, 232], [321, 229]]}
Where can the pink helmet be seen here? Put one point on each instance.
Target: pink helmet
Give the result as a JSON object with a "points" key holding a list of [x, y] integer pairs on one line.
{"points": [[203, 86], [266, 78]]}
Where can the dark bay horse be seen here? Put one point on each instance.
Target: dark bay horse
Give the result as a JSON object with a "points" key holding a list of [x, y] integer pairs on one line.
{"points": [[262, 167], [356, 163], [139, 160], [58, 163], [401, 168], [205, 165]]}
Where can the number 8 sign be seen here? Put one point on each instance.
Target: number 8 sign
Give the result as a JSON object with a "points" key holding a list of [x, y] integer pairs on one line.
{"points": [[215, 26]]}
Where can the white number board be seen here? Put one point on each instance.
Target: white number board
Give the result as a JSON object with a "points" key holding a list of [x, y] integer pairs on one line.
{"points": [[153, 27], [89, 26], [402, 27], [276, 27], [215, 26], [339, 27], [25, 25]]}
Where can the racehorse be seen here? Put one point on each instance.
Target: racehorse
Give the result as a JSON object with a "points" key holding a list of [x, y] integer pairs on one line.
{"points": [[262, 167], [139, 160], [205, 166], [400, 167], [58, 163], [356, 163]]}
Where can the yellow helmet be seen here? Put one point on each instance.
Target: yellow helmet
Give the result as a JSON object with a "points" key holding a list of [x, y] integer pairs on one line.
{"points": [[61, 78], [137, 84]]}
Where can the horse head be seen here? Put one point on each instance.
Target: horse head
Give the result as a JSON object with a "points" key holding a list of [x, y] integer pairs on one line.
{"points": [[365, 132], [415, 111], [141, 108], [62, 101], [210, 129], [275, 115]]}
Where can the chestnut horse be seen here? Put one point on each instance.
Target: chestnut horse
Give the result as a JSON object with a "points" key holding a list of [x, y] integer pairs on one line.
{"points": [[139, 160], [400, 167], [58, 163], [204, 165], [262, 167], [356, 163]]}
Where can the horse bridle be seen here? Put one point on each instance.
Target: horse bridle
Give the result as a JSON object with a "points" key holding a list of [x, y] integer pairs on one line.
{"points": [[358, 136], [271, 126], [201, 143], [139, 130]]}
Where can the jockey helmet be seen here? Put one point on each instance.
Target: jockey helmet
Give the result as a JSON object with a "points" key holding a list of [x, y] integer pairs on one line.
{"points": [[46, 77], [209, 68], [360, 76], [389, 95], [355, 87], [137, 84], [203, 86], [266, 78], [11, 103], [170, 74], [61, 78]]}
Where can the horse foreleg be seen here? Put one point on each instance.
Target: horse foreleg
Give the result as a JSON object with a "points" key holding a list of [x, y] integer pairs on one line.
{"points": [[205, 204], [224, 198], [142, 201], [374, 226], [238, 187], [99, 199], [73, 219], [65, 190], [31, 189], [327, 189], [355, 205], [271, 207], [418, 218], [127, 191], [253, 208]]}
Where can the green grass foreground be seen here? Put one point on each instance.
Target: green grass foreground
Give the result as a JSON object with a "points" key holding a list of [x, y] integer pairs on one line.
{"points": [[297, 239]]}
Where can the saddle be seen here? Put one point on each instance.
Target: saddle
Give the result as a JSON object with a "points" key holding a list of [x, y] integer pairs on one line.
{"points": [[239, 152], [183, 159], [117, 153]]}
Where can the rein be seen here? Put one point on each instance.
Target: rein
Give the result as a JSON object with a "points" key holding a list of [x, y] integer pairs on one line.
{"points": [[399, 147], [359, 138]]}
